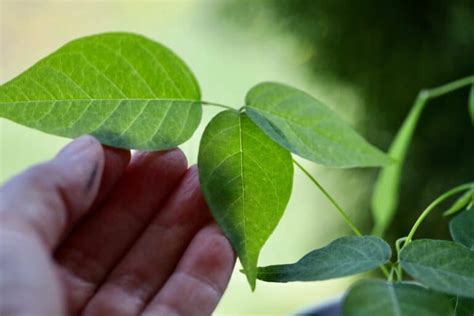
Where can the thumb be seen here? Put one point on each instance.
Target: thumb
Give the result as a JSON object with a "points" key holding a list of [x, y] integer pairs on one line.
{"points": [[49, 198]]}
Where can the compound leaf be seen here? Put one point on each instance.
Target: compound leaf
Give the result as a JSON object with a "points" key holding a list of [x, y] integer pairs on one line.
{"points": [[342, 257], [377, 297], [246, 179], [444, 266], [462, 228], [124, 89], [308, 128]]}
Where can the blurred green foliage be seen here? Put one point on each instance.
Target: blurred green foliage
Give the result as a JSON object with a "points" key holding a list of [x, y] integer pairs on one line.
{"points": [[388, 51]]}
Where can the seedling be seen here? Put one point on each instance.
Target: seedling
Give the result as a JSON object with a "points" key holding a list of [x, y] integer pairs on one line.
{"points": [[131, 92]]}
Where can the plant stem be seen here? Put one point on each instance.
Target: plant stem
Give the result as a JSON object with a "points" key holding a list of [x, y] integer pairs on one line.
{"points": [[418, 106], [433, 204], [398, 267], [338, 208], [331, 199], [218, 105], [390, 276], [427, 94], [389, 179], [441, 90]]}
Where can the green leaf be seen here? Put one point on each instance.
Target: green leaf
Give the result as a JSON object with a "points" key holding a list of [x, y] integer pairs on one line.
{"points": [[247, 180], [442, 265], [462, 228], [464, 307], [387, 186], [471, 103], [308, 128], [124, 89], [462, 202], [342, 257], [377, 297]]}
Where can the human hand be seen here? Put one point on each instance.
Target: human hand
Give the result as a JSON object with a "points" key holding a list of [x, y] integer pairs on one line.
{"points": [[88, 233]]}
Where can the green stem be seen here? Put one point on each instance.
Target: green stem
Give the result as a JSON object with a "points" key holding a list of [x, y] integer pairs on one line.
{"points": [[397, 264], [338, 208], [384, 270], [387, 188], [218, 105], [427, 94], [331, 199], [433, 204], [390, 276], [441, 90]]}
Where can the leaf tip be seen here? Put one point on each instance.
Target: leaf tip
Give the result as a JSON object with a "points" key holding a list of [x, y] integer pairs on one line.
{"points": [[251, 278]]}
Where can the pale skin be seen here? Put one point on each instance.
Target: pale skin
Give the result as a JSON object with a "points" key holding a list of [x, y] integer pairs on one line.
{"points": [[95, 232]]}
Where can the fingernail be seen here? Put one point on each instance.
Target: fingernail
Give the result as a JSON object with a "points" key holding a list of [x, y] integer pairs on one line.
{"points": [[77, 147]]}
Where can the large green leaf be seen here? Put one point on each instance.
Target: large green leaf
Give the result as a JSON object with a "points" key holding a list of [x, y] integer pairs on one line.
{"points": [[386, 191], [379, 298], [442, 265], [308, 128], [246, 179], [124, 89], [462, 228], [464, 307], [342, 257]]}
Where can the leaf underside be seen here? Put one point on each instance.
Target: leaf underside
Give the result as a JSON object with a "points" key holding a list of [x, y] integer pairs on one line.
{"points": [[124, 89], [462, 228], [377, 297], [247, 180], [342, 257], [442, 265], [308, 128]]}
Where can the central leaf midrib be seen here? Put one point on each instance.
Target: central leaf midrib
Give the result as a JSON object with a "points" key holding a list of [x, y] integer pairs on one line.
{"points": [[441, 269], [243, 182], [322, 267], [395, 300], [101, 100], [333, 140]]}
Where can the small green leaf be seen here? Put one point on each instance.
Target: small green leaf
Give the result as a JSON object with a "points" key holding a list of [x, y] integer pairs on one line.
{"points": [[377, 297], [124, 89], [342, 257], [464, 307], [246, 179], [386, 191], [471, 103], [462, 228], [462, 202], [308, 128], [442, 265]]}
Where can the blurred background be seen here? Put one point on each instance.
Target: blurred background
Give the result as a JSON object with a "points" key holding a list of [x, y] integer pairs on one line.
{"points": [[366, 59]]}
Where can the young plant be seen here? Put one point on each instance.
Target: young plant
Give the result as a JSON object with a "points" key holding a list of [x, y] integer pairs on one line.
{"points": [[131, 92]]}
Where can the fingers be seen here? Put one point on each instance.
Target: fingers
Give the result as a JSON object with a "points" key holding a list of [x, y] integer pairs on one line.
{"points": [[152, 259], [49, 198], [103, 237], [116, 162], [36, 209], [28, 280], [200, 279]]}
